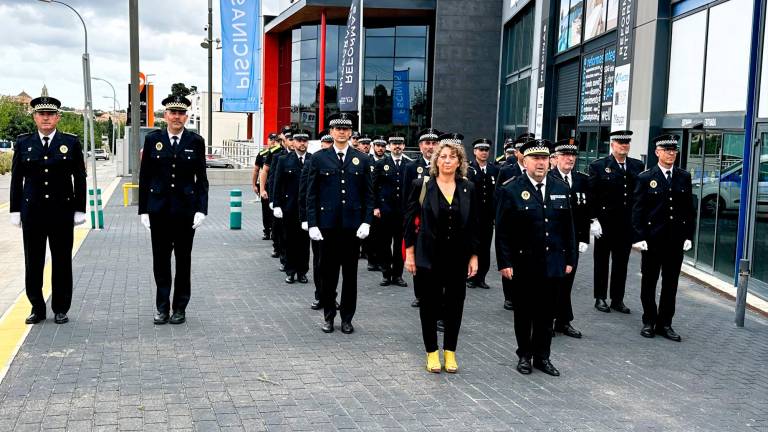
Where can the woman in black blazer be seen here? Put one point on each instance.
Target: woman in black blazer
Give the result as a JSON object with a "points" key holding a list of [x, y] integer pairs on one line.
{"points": [[441, 245]]}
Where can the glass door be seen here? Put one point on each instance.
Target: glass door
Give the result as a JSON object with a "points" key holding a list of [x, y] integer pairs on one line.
{"points": [[704, 165], [760, 216]]}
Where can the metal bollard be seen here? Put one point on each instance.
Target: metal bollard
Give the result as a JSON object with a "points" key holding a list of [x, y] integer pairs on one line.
{"points": [[97, 215], [235, 209]]}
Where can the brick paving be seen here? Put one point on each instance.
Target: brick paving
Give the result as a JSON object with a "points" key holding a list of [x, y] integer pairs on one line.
{"points": [[251, 356]]}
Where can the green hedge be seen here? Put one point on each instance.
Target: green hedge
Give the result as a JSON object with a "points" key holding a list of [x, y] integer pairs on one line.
{"points": [[5, 162]]}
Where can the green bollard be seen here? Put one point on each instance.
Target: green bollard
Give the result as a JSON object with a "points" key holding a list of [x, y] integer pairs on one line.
{"points": [[97, 215], [235, 209]]}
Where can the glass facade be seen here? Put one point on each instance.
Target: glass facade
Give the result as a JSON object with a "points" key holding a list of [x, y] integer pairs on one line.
{"points": [[395, 69], [516, 79]]}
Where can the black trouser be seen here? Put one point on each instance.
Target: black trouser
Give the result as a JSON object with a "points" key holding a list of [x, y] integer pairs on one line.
{"points": [[507, 287], [316, 276], [443, 293], [278, 238], [665, 257], [563, 307], [266, 216], [390, 241], [534, 300], [296, 247], [339, 250], [616, 250], [172, 234], [370, 246], [484, 254], [57, 228]]}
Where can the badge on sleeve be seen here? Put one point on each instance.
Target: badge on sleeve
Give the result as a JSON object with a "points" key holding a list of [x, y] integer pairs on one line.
{"points": [[526, 195], [420, 170], [64, 149], [608, 170], [654, 184], [386, 167], [356, 161], [159, 146]]}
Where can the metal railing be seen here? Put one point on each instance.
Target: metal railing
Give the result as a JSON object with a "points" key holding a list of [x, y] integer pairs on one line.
{"points": [[240, 153]]}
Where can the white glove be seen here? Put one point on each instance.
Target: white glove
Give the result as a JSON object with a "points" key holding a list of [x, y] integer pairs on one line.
{"points": [[16, 219], [687, 245], [197, 220], [145, 220], [315, 234], [583, 247], [305, 226], [79, 218], [363, 231], [271, 206], [278, 212], [596, 229], [642, 245]]}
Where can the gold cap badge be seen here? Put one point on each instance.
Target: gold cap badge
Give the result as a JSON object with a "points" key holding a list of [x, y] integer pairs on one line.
{"points": [[386, 167]]}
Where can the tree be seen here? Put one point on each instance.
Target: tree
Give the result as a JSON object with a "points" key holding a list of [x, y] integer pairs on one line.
{"points": [[179, 89], [14, 119]]}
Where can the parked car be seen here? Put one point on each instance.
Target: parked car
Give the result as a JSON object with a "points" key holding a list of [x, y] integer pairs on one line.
{"points": [[101, 154], [5, 146], [723, 193], [216, 161]]}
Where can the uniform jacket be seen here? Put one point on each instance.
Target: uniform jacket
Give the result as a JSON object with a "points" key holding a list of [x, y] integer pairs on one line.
{"points": [[663, 211], [485, 187], [508, 171], [389, 186], [303, 189], [612, 194], [275, 153], [580, 200], [41, 177], [424, 240], [413, 171], [286, 185], [339, 197], [173, 180], [535, 237]]}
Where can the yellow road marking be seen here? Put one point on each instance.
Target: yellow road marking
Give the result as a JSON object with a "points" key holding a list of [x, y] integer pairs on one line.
{"points": [[4, 205]]}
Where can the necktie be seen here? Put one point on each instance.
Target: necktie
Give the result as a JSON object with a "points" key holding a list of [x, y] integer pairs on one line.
{"points": [[538, 189], [622, 166], [397, 163], [175, 141], [45, 143], [301, 161], [341, 157], [568, 180], [483, 170], [669, 176]]}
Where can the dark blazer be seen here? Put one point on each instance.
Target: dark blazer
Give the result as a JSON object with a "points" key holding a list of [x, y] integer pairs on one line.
{"points": [[508, 171], [303, 189], [612, 195], [580, 199], [271, 161], [389, 186], [412, 173], [339, 197], [535, 237], [485, 187], [173, 180], [662, 211], [286, 185], [424, 239], [43, 178]]}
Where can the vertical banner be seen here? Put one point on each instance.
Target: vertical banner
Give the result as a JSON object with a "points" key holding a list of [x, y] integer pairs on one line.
{"points": [[591, 88], [349, 67], [609, 69], [624, 51], [401, 99], [240, 68], [541, 81]]}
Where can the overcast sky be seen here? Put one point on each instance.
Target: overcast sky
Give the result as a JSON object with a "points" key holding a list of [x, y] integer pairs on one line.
{"points": [[43, 44]]}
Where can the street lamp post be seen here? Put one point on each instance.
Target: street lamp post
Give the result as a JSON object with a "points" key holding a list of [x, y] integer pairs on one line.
{"points": [[114, 103], [114, 125], [88, 123]]}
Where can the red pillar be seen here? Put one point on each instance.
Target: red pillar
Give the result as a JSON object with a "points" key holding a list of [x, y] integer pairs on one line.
{"points": [[269, 85], [249, 133], [321, 107]]}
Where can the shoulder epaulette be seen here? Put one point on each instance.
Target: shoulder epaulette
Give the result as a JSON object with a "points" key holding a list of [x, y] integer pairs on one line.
{"points": [[264, 152], [274, 149], [498, 159], [70, 134], [508, 180]]}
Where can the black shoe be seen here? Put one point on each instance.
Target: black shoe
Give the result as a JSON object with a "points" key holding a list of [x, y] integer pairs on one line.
{"points": [[327, 326], [440, 326], [290, 279], [647, 331], [568, 330], [601, 305], [347, 327], [416, 303], [315, 305], [178, 317], [34, 318], [60, 318], [471, 284], [482, 285], [275, 254], [161, 318], [385, 282], [399, 282], [282, 267], [508, 305], [524, 366], [619, 307], [266, 236], [374, 267], [546, 366], [668, 333], [303, 278]]}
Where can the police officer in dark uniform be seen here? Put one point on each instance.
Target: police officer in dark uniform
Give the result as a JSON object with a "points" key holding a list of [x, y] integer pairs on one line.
{"points": [[419, 168], [578, 182], [173, 202], [535, 245], [266, 213], [339, 214], [47, 200], [612, 181], [664, 221], [483, 174], [286, 207], [388, 187], [278, 236], [276, 146]]}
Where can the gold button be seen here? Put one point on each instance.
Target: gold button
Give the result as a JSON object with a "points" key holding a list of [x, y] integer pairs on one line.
{"points": [[46, 183], [343, 202], [173, 175], [172, 185], [45, 157], [46, 196], [46, 170]]}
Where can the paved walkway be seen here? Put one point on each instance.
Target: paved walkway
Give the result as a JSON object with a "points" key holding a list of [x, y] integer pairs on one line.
{"points": [[252, 356]]}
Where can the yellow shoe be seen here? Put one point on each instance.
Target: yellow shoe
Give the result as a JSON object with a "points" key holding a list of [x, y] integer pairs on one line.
{"points": [[433, 362], [450, 361]]}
